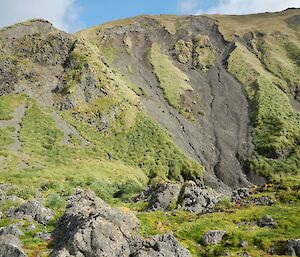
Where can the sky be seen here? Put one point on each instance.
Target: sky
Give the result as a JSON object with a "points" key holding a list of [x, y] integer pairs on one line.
{"points": [[73, 15]]}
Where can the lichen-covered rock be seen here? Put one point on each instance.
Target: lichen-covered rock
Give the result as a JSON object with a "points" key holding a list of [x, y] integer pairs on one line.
{"points": [[11, 230], [293, 247], [10, 246], [213, 237], [91, 228], [196, 199], [267, 221], [164, 196], [32, 210]]}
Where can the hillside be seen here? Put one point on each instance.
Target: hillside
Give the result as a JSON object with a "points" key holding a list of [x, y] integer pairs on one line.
{"points": [[192, 122]]}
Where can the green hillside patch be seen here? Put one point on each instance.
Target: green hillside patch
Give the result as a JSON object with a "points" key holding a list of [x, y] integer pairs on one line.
{"points": [[276, 132], [172, 80], [145, 144], [8, 105], [117, 124], [239, 223]]}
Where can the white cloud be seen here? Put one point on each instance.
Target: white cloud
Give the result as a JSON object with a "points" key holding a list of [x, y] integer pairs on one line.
{"points": [[187, 6], [250, 6], [62, 13]]}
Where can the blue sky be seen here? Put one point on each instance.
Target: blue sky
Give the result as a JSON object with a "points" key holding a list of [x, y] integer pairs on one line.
{"points": [[95, 11], [73, 15]]}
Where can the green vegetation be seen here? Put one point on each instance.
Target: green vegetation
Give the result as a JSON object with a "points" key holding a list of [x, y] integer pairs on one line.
{"points": [[203, 53], [5, 139], [276, 131], [8, 104], [199, 52], [172, 80]]}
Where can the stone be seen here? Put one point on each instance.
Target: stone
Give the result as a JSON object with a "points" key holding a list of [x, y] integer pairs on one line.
{"points": [[32, 210], [267, 221], [160, 245], [90, 227], [163, 196], [196, 199], [240, 194], [213, 237], [11, 230], [263, 200], [243, 243], [293, 247], [10, 246]]}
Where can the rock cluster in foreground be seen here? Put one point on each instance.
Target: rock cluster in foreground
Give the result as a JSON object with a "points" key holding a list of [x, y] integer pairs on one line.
{"points": [[90, 227]]}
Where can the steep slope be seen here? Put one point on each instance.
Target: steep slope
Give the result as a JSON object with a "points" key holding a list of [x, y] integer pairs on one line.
{"points": [[64, 107], [165, 115], [265, 60], [210, 120]]}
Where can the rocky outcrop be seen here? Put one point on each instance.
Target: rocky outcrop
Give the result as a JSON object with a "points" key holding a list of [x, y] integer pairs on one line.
{"points": [[293, 247], [90, 227], [32, 210], [196, 199], [213, 237], [189, 197], [164, 196], [10, 246]]}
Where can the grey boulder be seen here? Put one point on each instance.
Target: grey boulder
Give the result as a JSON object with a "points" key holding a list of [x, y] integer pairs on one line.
{"points": [[91, 228], [11, 230], [213, 237], [160, 245], [163, 196], [10, 246], [196, 199], [32, 210], [267, 221], [240, 194], [293, 247]]}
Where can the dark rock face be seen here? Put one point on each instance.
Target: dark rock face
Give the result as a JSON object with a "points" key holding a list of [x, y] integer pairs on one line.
{"points": [[213, 237], [267, 221], [10, 246], [32, 210], [293, 247], [164, 196], [195, 199], [90, 227]]}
